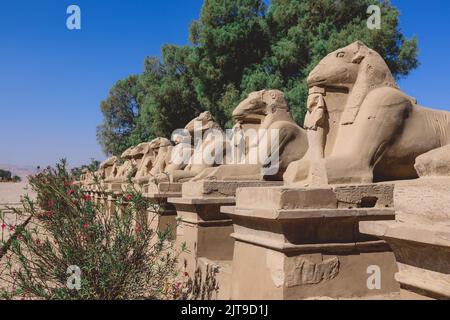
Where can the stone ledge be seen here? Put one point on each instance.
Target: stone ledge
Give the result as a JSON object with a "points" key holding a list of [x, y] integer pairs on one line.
{"points": [[422, 253], [165, 195], [310, 248], [221, 188], [202, 201], [430, 283], [376, 214], [339, 196], [407, 232], [163, 188]]}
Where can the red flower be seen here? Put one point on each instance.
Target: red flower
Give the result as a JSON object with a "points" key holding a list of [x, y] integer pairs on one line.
{"points": [[129, 197], [138, 229], [38, 242], [11, 228], [49, 214], [70, 191], [3, 226], [50, 203], [85, 226], [87, 198]]}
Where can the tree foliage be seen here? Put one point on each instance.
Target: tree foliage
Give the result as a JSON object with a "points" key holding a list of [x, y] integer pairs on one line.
{"points": [[6, 176], [242, 46]]}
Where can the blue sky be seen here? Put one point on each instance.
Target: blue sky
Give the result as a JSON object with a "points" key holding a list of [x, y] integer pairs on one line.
{"points": [[52, 79]]}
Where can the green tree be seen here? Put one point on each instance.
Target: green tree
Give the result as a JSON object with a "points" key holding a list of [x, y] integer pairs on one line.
{"points": [[170, 100], [241, 46], [5, 175], [303, 32], [229, 37], [93, 166], [120, 111]]}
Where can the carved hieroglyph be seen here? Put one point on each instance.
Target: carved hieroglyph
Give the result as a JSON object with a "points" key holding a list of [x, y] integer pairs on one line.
{"points": [[369, 130], [266, 112]]}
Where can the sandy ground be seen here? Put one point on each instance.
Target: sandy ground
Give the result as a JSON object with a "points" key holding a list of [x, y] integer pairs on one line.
{"points": [[10, 193]]}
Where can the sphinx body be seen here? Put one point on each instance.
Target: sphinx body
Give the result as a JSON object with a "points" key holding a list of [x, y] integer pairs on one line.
{"points": [[372, 131], [265, 114], [180, 154], [152, 161], [146, 162], [106, 170], [126, 167], [208, 150]]}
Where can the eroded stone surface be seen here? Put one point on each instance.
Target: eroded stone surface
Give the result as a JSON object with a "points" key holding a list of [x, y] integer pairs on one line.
{"points": [[365, 127], [435, 163]]}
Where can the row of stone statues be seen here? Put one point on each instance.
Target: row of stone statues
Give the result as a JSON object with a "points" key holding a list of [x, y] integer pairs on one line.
{"points": [[319, 234], [360, 127]]}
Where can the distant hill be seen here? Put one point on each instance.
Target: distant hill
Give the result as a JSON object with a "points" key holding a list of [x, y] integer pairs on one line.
{"points": [[22, 171]]}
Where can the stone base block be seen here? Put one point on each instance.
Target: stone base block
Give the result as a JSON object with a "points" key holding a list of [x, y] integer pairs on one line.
{"points": [[337, 196], [263, 273], [422, 253], [203, 230], [161, 221], [303, 243], [164, 189], [218, 188]]}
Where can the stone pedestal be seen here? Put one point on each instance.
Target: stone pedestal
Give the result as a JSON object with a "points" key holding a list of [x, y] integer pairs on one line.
{"points": [[115, 187], [162, 214], [205, 230], [163, 190], [420, 236], [300, 243], [422, 253]]}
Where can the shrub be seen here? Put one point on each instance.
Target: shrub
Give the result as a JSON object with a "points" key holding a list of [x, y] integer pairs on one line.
{"points": [[5, 175], [116, 255]]}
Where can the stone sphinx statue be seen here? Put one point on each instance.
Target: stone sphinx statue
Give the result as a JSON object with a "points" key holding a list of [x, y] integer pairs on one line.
{"points": [[161, 148], [180, 154], [265, 112], [208, 150], [85, 177], [139, 153], [152, 156], [107, 168], [362, 127], [126, 167]]}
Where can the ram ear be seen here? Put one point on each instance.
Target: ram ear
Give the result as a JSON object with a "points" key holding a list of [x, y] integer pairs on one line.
{"points": [[358, 58], [360, 53]]}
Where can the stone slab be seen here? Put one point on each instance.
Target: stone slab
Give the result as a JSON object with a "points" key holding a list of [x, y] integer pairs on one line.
{"points": [[339, 196], [422, 253], [218, 188], [203, 201], [163, 188]]}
